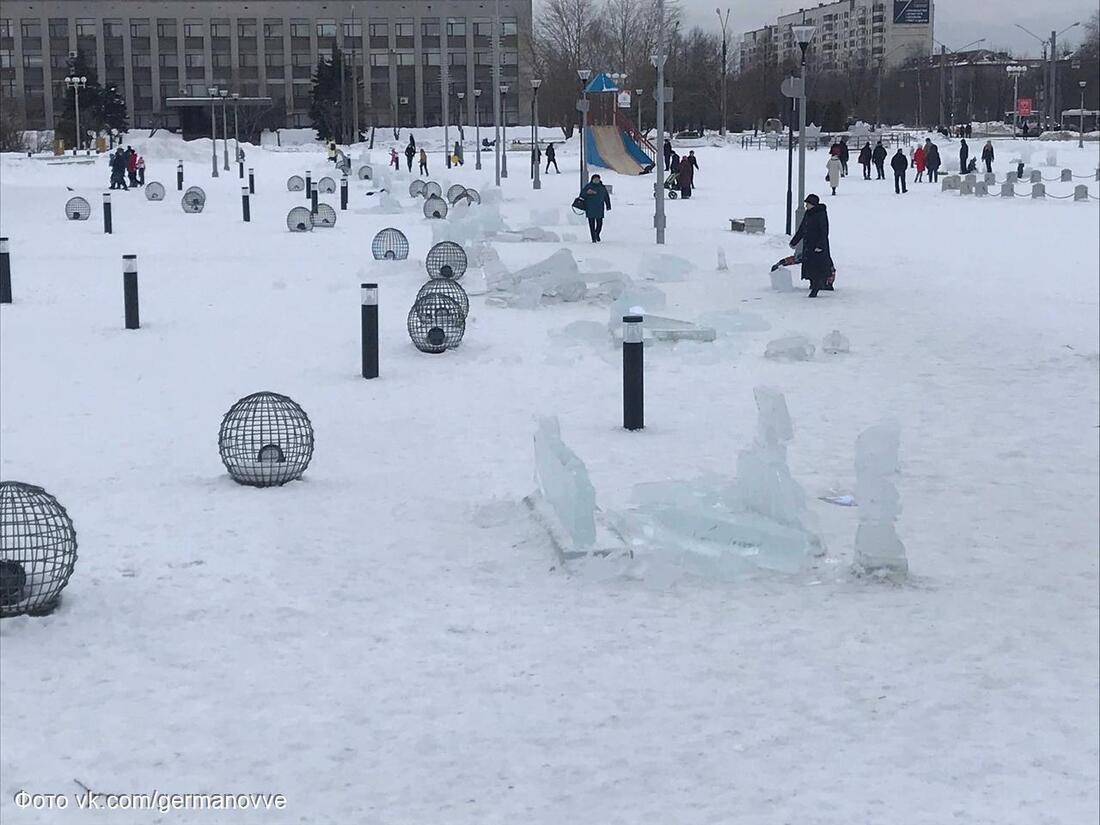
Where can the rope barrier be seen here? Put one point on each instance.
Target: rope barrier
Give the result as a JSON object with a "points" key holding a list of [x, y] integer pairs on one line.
{"points": [[1059, 197]]}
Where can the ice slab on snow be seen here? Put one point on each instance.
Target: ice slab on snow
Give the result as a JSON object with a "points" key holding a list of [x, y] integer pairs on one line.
{"points": [[564, 484], [555, 279], [878, 550], [723, 266], [790, 348], [532, 234], [734, 320], [781, 280], [660, 328], [835, 343], [661, 267]]}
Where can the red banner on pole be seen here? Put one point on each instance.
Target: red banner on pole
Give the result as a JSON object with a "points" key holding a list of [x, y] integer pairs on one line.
{"points": [[1023, 106]]}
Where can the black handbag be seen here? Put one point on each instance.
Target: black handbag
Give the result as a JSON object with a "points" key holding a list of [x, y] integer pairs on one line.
{"points": [[579, 205]]}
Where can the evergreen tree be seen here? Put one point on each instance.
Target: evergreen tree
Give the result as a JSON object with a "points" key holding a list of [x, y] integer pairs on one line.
{"points": [[326, 110], [100, 109]]}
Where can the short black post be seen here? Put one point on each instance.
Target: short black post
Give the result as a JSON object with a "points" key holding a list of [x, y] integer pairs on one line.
{"points": [[309, 186], [179, 176], [251, 181], [107, 213], [313, 202], [130, 291], [633, 395], [246, 213], [5, 272], [369, 315], [240, 169], [1020, 170], [344, 192]]}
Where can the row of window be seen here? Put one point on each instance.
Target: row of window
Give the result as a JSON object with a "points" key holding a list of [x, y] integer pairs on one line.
{"points": [[248, 59], [30, 28]]}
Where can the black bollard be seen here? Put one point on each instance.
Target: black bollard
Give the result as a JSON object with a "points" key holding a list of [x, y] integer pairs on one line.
{"points": [[5, 272], [313, 202], [633, 395], [309, 186], [251, 181], [344, 192], [179, 176], [369, 317], [1020, 171], [107, 226], [130, 291], [240, 169], [246, 213]]}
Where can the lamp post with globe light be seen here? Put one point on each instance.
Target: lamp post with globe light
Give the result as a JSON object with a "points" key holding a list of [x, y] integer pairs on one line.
{"points": [[536, 182], [1081, 134], [477, 126], [213, 92], [658, 60], [1015, 72], [803, 35], [225, 128], [584, 74], [504, 131], [76, 84]]}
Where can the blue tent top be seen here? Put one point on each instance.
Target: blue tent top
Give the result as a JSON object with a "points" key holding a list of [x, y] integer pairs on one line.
{"points": [[601, 83]]}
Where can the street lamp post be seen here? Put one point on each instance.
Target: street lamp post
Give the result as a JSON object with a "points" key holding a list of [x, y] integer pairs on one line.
{"points": [[477, 126], [76, 84], [584, 74], [458, 122], [658, 61], [237, 134], [638, 94], [496, 92], [225, 129], [1051, 62], [503, 154], [724, 21], [803, 34], [1081, 133], [535, 83], [954, 73], [213, 92], [1015, 72]]}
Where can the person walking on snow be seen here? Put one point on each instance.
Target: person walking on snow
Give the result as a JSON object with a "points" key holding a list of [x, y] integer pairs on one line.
{"points": [[686, 175], [865, 160], [987, 156], [879, 157], [423, 161], [551, 157], [899, 164], [843, 157], [118, 170], [834, 166], [918, 163], [932, 160], [395, 160], [140, 171], [813, 233], [964, 153], [410, 153], [596, 200], [668, 154]]}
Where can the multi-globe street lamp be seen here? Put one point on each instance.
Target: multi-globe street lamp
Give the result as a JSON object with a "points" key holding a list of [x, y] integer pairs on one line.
{"points": [[76, 84], [803, 35], [536, 182]]}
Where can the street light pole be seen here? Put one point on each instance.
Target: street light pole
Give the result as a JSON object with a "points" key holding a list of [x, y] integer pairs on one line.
{"points": [[1050, 63], [76, 84], [658, 61], [504, 131], [461, 153], [225, 129], [803, 34], [236, 132], [213, 91], [477, 125], [584, 74], [638, 125], [496, 92], [535, 83], [1081, 133], [1015, 72], [725, 40], [445, 90]]}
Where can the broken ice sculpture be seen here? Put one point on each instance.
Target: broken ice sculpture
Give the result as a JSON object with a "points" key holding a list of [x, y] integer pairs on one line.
{"points": [[563, 481], [659, 267], [722, 265], [878, 550], [781, 280], [791, 348], [835, 343]]}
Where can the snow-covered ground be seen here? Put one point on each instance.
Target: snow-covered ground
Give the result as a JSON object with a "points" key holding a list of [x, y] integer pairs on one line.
{"points": [[388, 641]]}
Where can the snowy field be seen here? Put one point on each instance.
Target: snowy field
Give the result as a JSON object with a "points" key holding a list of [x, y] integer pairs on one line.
{"points": [[391, 641]]}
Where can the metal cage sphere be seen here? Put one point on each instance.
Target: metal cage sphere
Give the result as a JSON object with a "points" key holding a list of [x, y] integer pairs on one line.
{"points": [[295, 183], [325, 216], [299, 219], [365, 173], [326, 185], [432, 190], [265, 440], [154, 191], [435, 208], [454, 192], [196, 191], [37, 550], [77, 209], [390, 245], [446, 260], [416, 188], [436, 323], [450, 289], [472, 196], [192, 203]]}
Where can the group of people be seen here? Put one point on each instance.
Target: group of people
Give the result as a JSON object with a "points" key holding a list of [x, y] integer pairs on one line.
{"points": [[681, 171], [411, 154], [126, 165]]}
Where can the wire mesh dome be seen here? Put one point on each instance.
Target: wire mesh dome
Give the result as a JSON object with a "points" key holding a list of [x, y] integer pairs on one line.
{"points": [[192, 202], [416, 188], [435, 208], [154, 191], [325, 216], [454, 192], [390, 245], [295, 183], [365, 172], [37, 550], [436, 323], [326, 185], [265, 440], [299, 219], [472, 196], [196, 191], [446, 260], [77, 209], [432, 190], [450, 289]]}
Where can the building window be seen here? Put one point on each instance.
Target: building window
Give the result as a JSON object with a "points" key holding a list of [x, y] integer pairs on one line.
{"points": [[353, 28], [429, 28], [274, 59], [168, 61], [406, 59], [30, 28], [299, 27], [301, 59], [193, 28], [456, 27], [508, 26], [59, 27], [32, 61], [219, 28], [431, 58], [166, 28], [246, 27], [6, 59], [326, 28], [379, 29], [5, 28], [112, 29], [247, 59], [57, 61], [221, 60], [139, 28], [403, 28], [483, 28], [457, 58], [140, 61], [194, 60], [483, 58], [379, 59], [273, 27], [509, 58]]}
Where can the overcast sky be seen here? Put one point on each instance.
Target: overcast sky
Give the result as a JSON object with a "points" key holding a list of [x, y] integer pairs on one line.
{"points": [[957, 22]]}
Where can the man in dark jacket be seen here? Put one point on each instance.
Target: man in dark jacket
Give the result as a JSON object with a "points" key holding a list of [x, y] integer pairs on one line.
{"points": [[964, 153], [118, 169], [551, 157], [410, 152], [596, 199], [843, 156], [987, 156], [879, 157], [813, 232], [932, 160], [899, 163], [865, 160], [668, 154]]}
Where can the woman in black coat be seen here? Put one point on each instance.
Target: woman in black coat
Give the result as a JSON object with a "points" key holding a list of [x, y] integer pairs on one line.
{"points": [[813, 232]]}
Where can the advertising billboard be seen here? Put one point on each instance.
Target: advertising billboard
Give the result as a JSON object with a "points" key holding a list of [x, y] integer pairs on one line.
{"points": [[912, 12], [1023, 106]]}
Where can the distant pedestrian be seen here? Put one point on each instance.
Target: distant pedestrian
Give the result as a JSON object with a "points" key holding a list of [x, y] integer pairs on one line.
{"points": [[987, 156], [423, 162], [899, 164], [1025, 130], [674, 164], [596, 200], [970, 130], [458, 154], [964, 153], [918, 163], [551, 157], [685, 176], [131, 165], [865, 160], [834, 167], [813, 234], [141, 170], [118, 169], [410, 153], [668, 154], [932, 160], [395, 159], [879, 157], [843, 156]]}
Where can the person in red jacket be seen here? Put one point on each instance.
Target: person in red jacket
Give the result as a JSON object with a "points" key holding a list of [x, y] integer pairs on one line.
{"points": [[918, 163], [131, 164]]}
